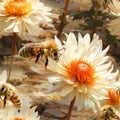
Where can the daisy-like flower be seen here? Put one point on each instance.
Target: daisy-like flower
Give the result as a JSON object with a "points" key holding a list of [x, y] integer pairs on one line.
{"points": [[82, 4], [112, 27], [23, 17], [84, 71], [112, 104], [114, 6], [113, 98], [26, 113]]}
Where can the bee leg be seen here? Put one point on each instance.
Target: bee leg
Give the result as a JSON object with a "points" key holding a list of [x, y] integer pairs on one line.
{"points": [[37, 58], [0, 98], [46, 62], [4, 102]]}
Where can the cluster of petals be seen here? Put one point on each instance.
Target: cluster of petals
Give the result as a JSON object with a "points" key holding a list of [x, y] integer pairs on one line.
{"points": [[23, 17], [114, 6], [113, 97], [26, 113], [84, 71]]}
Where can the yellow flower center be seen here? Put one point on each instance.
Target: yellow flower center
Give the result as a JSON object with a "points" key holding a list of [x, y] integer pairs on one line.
{"points": [[81, 72], [18, 7], [18, 118]]}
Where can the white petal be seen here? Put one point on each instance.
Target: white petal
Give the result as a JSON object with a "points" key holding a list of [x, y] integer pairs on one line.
{"points": [[54, 79], [3, 77], [58, 42], [66, 90]]}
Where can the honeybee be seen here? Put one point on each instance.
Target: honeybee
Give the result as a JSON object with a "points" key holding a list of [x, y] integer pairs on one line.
{"points": [[46, 48], [8, 92], [108, 112]]}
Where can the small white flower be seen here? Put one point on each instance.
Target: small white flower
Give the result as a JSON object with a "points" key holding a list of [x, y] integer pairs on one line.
{"points": [[113, 97], [23, 17], [84, 71], [114, 6], [115, 23], [26, 113]]}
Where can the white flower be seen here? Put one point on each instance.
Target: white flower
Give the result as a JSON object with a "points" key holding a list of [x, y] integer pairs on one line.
{"points": [[113, 97], [23, 17], [26, 113], [84, 71], [114, 6], [112, 27]]}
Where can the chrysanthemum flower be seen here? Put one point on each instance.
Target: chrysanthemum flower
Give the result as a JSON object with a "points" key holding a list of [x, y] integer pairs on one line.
{"points": [[26, 113], [84, 71], [23, 16], [114, 7], [113, 98]]}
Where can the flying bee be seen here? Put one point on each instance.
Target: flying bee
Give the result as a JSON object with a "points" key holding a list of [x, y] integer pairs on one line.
{"points": [[46, 48], [8, 92]]}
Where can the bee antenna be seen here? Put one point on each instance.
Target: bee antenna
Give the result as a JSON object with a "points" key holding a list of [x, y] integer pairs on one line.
{"points": [[60, 54], [62, 49]]}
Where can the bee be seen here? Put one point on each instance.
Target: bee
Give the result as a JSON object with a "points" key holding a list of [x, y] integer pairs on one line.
{"points": [[8, 92], [46, 48], [108, 112]]}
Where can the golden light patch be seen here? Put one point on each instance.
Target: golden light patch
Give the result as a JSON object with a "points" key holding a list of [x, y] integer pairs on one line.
{"points": [[18, 7], [81, 71], [55, 96], [18, 118]]}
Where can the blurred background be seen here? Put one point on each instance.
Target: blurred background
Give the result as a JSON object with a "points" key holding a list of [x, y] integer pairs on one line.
{"points": [[87, 16]]}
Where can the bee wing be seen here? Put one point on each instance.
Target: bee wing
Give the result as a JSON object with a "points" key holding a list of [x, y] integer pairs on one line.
{"points": [[58, 42], [33, 45], [3, 77]]}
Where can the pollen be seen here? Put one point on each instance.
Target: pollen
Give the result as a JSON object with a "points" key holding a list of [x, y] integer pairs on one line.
{"points": [[81, 72], [19, 118], [18, 7], [114, 98]]}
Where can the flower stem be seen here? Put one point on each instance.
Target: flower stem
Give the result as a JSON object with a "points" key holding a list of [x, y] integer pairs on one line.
{"points": [[63, 19], [66, 5], [70, 108], [13, 51]]}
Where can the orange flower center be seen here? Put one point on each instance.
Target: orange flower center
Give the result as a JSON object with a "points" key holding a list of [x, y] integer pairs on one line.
{"points": [[18, 7], [114, 97], [18, 118], [81, 72]]}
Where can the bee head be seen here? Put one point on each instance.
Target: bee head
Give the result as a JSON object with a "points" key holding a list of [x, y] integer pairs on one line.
{"points": [[2, 89], [54, 54]]}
